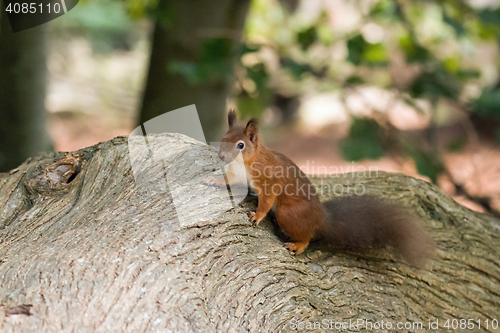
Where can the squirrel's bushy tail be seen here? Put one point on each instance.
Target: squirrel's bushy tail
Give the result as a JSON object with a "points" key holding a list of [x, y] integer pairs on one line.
{"points": [[366, 221]]}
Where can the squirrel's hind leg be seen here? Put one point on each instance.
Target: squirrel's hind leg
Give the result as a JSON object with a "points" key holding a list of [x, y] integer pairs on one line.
{"points": [[297, 247], [298, 222]]}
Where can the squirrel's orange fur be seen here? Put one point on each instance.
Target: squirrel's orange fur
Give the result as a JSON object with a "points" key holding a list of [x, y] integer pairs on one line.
{"points": [[357, 222]]}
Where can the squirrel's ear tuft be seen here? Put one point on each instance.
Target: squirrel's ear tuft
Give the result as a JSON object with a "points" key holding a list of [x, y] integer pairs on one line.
{"points": [[231, 118], [252, 129]]}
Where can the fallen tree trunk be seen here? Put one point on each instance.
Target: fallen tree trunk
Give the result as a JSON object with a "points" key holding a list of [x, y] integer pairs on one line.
{"points": [[92, 249]]}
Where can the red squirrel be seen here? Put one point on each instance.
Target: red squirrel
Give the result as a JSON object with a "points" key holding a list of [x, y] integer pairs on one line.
{"points": [[355, 222]]}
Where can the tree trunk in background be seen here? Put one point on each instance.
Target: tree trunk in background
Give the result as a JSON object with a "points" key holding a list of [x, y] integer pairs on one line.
{"points": [[93, 251], [23, 72], [193, 23]]}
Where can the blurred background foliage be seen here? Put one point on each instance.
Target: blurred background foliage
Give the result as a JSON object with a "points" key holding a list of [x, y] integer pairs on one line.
{"points": [[411, 81]]}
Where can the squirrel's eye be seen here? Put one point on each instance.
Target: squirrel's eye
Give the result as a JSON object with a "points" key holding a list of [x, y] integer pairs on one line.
{"points": [[241, 145]]}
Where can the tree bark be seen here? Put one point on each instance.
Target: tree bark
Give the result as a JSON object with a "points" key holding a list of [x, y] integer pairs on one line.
{"points": [[92, 250], [23, 73], [182, 29]]}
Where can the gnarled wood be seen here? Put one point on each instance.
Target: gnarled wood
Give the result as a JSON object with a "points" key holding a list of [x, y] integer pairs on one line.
{"points": [[93, 251]]}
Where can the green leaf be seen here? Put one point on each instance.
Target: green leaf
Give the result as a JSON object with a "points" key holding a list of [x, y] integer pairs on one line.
{"points": [[307, 37], [325, 34], [427, 165], [487, 32], [364, 140], [259, 75], [488, 104], [294, 67], [248, 106], [375, 54], [384, 9], [354, 80], [246, 48], [356, 47], [216, 50], [187, 69], [455, 24], [411, 102], [213, 64], [435, 84], [451, 64], [362, 52], [467, 74], [490, 17], [413, 52]]}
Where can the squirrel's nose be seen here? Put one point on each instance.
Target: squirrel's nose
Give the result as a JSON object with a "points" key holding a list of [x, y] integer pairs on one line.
{"points": [[222, 157]]}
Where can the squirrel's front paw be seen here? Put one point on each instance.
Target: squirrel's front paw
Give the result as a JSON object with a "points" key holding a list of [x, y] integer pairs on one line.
{"points": [[291, 247], [211, 181], [208, 180], [251, 215], [253, 218]]}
